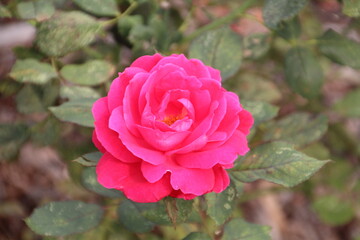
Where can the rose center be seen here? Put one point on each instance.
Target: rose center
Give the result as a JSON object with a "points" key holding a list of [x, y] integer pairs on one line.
{"points": [[170, 119]]}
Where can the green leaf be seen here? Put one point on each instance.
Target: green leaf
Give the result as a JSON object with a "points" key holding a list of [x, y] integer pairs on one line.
{"points": [[89, 159], [348, 105], [99, 7], [256, 45], [64, 218], [12, 136], [238, 229], [32, 71], [89, 181], [276, 162], [77, 92], [289, 29], [276, 11], [46, 132], [351, 8], [28, 100], [303, 72], [253, 87], [197, 236], [76, 111], [35, 99], [131, 217], [65, 32], [156, 212], [91, 73], [220, 205], [333, 210], [220, 49], [4, 12], [39, 10], [261, 111], [298, 129], [340, 49]]}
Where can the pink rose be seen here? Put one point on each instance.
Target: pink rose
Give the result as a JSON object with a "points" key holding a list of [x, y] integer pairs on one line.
{"points": [[168, 128]]}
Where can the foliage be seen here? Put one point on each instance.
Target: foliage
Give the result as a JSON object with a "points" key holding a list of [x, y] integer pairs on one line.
{"points": [[80, 46]]}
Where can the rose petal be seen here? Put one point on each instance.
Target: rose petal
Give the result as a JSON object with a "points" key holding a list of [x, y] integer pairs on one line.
{"points": [[222, 179], [112, 173], [134, 144], [226, 153], [246, 122], [193, 181], [107, 137], [147, 62]]}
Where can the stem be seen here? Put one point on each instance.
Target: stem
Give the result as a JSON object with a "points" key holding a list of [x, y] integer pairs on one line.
{"points": [[55, 67], [227, 19], [127, 12]]}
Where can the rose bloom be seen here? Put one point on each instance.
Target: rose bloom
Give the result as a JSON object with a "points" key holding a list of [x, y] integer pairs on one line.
{"points": [[168, 128]]}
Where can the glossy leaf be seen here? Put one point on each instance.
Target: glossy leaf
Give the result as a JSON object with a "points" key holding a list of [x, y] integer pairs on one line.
{"points": [[220, 205], [66, 32], [91, 73], [99, 7], [76, 111], [290, 29], [348, 105], [298, 129], [64, 218], [261, 111], [303, 72], [240, 230], [39, 10], [89, 181], [131, 217], [89, 159], [276, 162], [220, 49], [340, 49], [32, 71], [276, 11]]}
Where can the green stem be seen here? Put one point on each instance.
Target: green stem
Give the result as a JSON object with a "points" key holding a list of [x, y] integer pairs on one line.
{"points": [[127, 12], [221, 21]]}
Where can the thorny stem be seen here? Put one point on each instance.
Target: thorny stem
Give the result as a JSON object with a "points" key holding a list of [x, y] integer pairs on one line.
{"points": [[221, 21]]}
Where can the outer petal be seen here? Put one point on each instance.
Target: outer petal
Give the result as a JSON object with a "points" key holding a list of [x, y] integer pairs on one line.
{"points": [[193, 181], [246, 121], [222, 179], [97, 144], [107, 137], [113, 173], [118, 86], [147, 62], [226, 153]]}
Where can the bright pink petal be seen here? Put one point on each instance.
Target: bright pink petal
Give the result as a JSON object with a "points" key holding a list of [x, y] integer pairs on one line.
{"points": [[163, 141], [97, 144], [246, 122], [179, 194], [113, 173], [226, 153], [147, 62], [136, 145], [118, 86], [222, 179], [193, 181], [107, 137]]}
